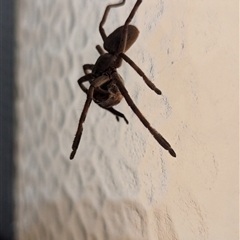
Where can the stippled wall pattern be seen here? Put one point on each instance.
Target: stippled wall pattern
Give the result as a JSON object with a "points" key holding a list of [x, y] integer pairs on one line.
{"points": [[121, 184]]}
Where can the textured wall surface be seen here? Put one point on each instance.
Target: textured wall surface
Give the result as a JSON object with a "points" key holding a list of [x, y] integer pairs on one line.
{"points": [[122, 185]]}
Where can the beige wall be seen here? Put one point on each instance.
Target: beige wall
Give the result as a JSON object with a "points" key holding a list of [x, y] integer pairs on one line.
{"points": [[122, 184]]}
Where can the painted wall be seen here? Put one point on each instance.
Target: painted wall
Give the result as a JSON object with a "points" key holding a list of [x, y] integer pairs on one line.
{"points": [[122, 184]]}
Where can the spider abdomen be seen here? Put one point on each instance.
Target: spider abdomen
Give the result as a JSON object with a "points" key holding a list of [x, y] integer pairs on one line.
{"points": [[112, 42]]}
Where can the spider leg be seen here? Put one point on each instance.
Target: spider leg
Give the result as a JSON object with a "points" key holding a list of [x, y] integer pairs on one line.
{"points": [[97, 82], [141, 73], [100, 50], [123, 41], [87, 67], [116, 113], [160, 139], [78, 135], [101, 29], [85, 78]]}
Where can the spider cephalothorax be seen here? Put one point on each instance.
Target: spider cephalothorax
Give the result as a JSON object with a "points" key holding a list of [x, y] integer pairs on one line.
{"points": [[106, 85]]}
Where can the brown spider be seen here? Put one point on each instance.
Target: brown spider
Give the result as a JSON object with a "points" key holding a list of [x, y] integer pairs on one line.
{"points": [[106, 85]]}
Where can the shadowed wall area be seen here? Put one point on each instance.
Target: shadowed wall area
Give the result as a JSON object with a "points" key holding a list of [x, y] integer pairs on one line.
{"points": [[121, 185], [6, 118]]}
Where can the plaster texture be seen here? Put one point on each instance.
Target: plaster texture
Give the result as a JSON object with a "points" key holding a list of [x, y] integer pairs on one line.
{"points": [[122, 185]]}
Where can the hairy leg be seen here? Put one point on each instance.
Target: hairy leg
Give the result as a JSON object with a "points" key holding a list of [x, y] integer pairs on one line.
{"points": [[85, 78], [100, 50], [141, 73], [117, 114], [78, 135], [104, 18], [123, 42], [160, 139]]}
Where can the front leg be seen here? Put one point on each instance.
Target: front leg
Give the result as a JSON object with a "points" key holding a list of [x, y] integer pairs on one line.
{"points": [[96, 83], [123, 42], [141, 73], [78, 135], [160, 139], [104, 18]]}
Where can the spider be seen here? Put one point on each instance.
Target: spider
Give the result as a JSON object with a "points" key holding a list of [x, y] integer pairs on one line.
{"points": [[106, 85]]}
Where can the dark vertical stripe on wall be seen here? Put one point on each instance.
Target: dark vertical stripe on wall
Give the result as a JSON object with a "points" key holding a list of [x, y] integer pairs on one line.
{"points": [[6, 119]]}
